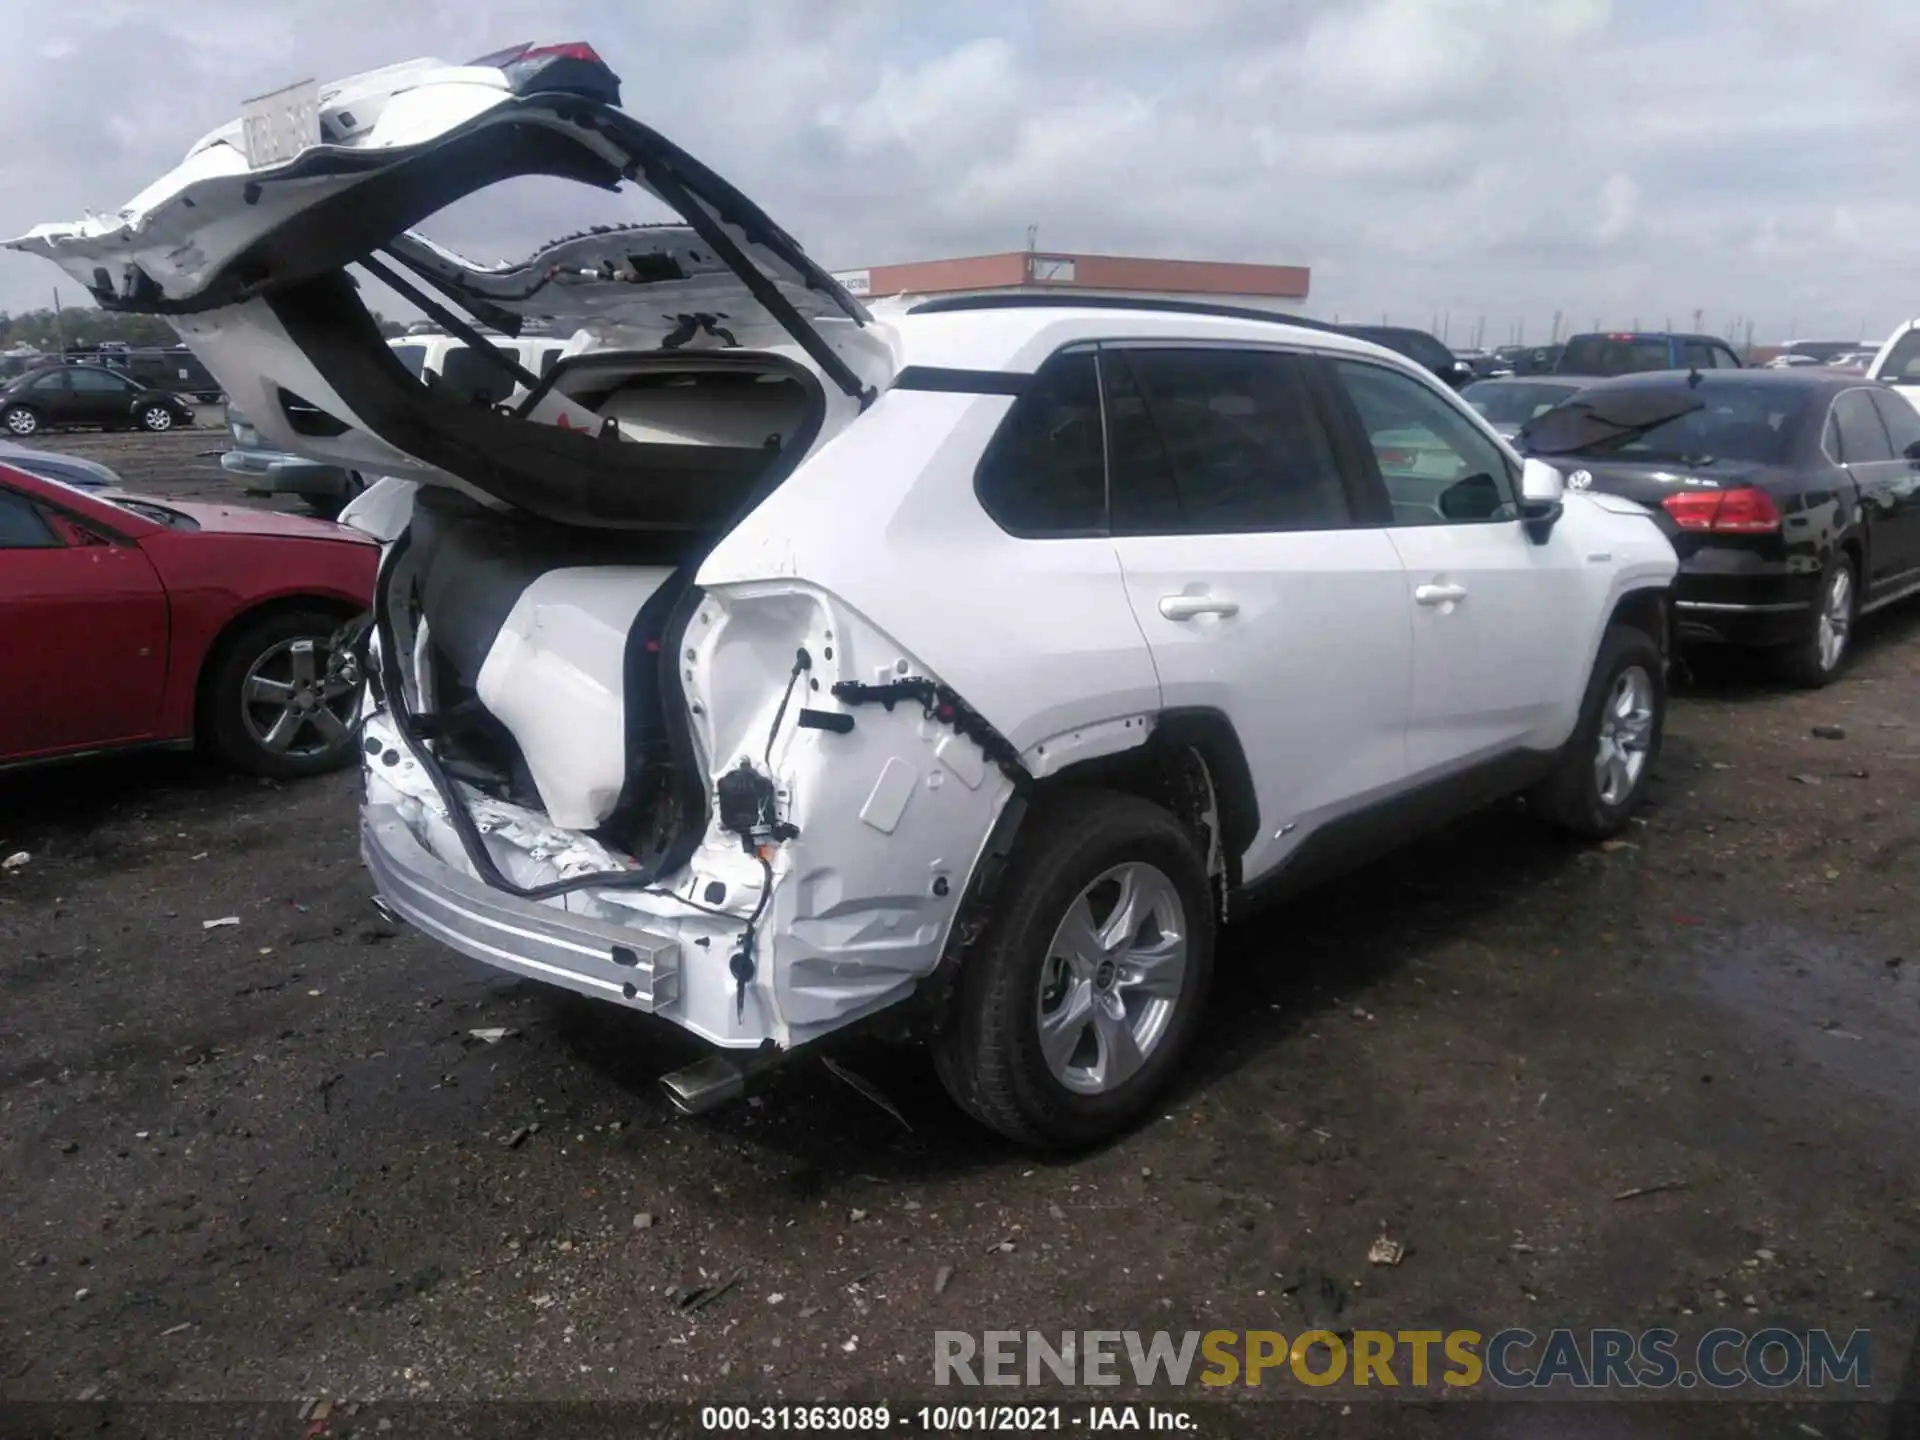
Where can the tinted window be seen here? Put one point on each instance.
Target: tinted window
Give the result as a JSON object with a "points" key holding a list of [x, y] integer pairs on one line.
{"points": [[22, 527], [1044, 472], [1856, 424], [1901, 420], [98, 382], [1505, 403], [1217, 442], [1609, 355], [52, 380], [469, 374], [547, 357], [1438, 466], [411, 356], [1725, 359], [1903, 361], [1697, 355]]}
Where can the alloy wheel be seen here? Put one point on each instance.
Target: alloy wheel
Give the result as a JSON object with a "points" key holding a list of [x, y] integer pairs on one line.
{"points": [[1112, 977], [1626, 735], [22, 422], [1836, 618], [157, 417], [299, 699]]}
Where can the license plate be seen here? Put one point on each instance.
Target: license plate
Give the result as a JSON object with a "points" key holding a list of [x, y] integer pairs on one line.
{"points": [[275, 128]]}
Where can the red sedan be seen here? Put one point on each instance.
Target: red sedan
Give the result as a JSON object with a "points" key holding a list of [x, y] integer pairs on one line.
{"points": [[127, 621]]}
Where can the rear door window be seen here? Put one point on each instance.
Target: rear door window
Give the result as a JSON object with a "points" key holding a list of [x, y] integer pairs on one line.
{"points": [[1044, 473], [1861, 437], [1615, 355], [1218, 442], [1901, 420]]}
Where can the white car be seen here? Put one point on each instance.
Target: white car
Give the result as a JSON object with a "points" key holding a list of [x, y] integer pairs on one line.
{"points": [[776, 668], [1898, 361]]}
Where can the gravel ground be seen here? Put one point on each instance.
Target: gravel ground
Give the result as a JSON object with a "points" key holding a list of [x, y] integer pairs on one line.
{"points": [[272, 1159]]}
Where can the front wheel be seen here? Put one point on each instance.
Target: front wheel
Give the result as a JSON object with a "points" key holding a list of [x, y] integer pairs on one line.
{"points": [[1077, 1003], [1601, 776], [1820, 653], [156, 418], [282, 696], [19, 420]]}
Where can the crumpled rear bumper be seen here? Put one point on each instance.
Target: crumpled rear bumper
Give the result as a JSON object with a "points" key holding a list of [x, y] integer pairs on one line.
{"points": [[621, 963]]}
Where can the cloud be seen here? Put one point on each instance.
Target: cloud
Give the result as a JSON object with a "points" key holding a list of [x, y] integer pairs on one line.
{"points": [[1484, 158]]}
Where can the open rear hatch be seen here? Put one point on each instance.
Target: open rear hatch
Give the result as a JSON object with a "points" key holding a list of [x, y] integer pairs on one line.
{"points": [[249, 245]]}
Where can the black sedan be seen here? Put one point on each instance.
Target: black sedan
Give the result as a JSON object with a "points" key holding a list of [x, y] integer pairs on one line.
{"points": [[1792, 497], [1419, 347], [64, 395]]}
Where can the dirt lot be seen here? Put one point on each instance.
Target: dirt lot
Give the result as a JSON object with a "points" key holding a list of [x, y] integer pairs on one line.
{"points": [[271, 1159]]}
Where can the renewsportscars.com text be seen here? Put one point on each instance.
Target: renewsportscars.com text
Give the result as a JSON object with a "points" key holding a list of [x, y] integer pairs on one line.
{"points": [[1510, 1359]]}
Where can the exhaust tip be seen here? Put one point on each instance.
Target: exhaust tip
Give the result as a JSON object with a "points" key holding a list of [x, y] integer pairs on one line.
{"points": [[704, 1085]]}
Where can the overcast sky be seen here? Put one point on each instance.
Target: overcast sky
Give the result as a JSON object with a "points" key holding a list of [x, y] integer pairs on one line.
{"points": [[1498, 158]]}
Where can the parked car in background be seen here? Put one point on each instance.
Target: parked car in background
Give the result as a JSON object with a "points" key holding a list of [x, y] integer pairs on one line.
{"points": [[1790, 362], [127, 621], [1630, 352], [74, 470], [1852, 362], [1820, 352], [1792, 497], [1898, 362], [1419, 347], [443, 361], [1533, 359], [686, 716], [1511, 402], [62, 396]]}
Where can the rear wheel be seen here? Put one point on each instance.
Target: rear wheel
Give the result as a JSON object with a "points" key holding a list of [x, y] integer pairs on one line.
{"points": [[1821, 652], [19, 420], [282, 696], [1077, 1003], [1602, 774], [155, 418]]}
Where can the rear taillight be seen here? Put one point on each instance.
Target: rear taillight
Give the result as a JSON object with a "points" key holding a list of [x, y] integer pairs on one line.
{"points": [[574, 67], [1745, 511], [1399, 459]]}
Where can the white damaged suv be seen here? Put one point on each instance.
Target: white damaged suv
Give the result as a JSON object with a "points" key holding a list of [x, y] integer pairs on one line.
{"points": [[775, 665]]}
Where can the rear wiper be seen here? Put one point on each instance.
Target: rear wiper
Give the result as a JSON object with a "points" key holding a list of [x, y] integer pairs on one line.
{"points": [[1580, 425]]}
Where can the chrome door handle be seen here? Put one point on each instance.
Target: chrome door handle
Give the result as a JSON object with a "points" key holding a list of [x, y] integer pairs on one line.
{"points": [[1185, 607], [1438, 594]]}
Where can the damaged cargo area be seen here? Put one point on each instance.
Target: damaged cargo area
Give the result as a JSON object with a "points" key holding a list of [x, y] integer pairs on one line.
{"points": [[658, 785]]}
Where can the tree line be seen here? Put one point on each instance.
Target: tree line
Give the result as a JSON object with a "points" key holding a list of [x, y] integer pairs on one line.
{"points": [[82, 327]]}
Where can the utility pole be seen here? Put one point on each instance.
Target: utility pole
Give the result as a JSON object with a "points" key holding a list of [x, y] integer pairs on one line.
{"points": [[1033, 238], [1446, 324], [1698, 315], [59, 324], [1553, 337]]}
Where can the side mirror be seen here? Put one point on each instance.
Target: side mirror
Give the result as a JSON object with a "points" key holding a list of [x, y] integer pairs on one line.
{"points": [[1542, 498]]}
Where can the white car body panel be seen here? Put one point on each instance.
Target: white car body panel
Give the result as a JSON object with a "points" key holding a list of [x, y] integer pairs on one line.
{"points": [[1878, 369], [1312, 667]]}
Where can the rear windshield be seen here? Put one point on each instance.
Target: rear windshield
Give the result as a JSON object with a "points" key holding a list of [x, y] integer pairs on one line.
{"points": [[1605, 355], [411, 356], [1505, 403], [1738, 420]]}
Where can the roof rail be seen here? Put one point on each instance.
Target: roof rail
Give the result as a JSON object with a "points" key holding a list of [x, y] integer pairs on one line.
{"points": [[946, 304]]}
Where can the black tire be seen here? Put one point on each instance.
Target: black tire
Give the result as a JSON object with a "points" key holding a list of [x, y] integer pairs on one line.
{"points": [[1807, 662], [156, 419], [225, 721], [20, 421], [1572, 798], [989, 1055]]}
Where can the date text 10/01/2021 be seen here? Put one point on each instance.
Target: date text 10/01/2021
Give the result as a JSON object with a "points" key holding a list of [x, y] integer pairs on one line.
{"points": [[944, 1419]]}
